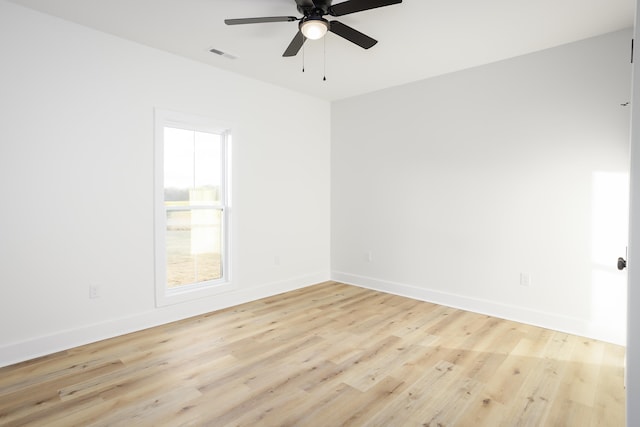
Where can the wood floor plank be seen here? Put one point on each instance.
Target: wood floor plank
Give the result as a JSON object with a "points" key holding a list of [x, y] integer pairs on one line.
{"points": [[609, 394], [447, 408], [531, 405], [359, 409], [326, 355], [411, 403]]}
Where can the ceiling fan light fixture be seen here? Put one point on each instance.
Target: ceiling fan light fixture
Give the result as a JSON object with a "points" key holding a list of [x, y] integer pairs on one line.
{"points": [[314, 28]]}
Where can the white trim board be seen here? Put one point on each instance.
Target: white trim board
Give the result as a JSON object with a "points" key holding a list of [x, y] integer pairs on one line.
{"points": [[65, 340], [541, 319]]}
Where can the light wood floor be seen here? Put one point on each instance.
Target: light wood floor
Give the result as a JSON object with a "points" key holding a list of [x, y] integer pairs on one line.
{"points": [[327, 355]]}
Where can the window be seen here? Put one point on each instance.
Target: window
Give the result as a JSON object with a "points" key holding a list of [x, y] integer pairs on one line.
{"points": [[192, 210]]}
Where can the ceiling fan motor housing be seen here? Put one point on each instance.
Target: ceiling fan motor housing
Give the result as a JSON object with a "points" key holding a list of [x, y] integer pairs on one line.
{"points": [[307, 7]]}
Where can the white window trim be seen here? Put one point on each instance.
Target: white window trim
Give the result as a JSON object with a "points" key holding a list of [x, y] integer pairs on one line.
{"points": [[164, 295]]}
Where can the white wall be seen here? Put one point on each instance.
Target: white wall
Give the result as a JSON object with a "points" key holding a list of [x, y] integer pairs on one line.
{"points": [[458, 184], [76, 178]]}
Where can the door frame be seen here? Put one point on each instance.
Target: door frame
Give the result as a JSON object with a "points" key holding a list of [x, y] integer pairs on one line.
{"points": [[632, 370]]}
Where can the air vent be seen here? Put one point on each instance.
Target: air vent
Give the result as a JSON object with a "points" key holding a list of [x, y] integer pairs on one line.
{"points": [[221, 53]]}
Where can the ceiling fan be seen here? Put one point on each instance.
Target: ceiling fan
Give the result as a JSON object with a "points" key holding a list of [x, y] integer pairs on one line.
{"points": [[314, 26]]}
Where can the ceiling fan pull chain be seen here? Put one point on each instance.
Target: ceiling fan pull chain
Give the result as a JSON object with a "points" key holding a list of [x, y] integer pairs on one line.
{"points": [[324, 78], [303, 58]]}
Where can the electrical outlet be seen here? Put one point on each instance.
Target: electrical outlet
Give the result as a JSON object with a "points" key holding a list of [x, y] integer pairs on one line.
{"points": [[525, 279], [368, 256], [94, 291]]}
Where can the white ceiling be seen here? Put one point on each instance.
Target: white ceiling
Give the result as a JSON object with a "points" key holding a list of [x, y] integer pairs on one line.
{"points": [[417, 39]]}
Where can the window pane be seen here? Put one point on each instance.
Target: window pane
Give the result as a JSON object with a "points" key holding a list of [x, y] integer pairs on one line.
{"points": [[178, 165], [193, 245], [192, 167], [207, 170]]}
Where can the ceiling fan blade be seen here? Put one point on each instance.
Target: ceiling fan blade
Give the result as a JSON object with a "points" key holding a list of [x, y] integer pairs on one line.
{"points": [[352, 35], [260, 20], [295, 45], [352, 6]]}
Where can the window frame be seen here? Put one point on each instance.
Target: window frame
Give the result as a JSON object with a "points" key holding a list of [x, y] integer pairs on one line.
{"points": [[165, 295]]}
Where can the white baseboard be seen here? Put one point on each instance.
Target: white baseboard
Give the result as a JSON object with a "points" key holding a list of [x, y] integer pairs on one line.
{"points": [[64, 340], [552, 321]]}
